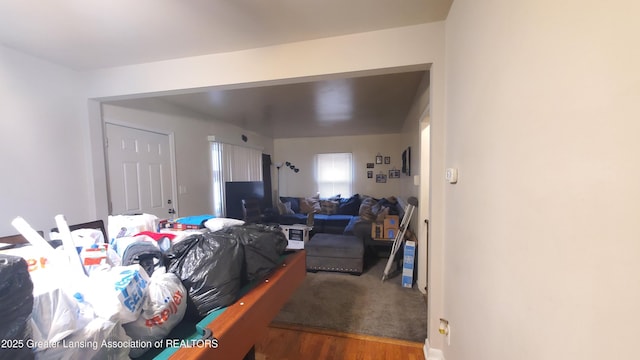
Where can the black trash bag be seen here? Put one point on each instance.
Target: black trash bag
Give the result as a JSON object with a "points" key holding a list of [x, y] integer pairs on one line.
{"points": [[210, 267], [263, 246], [16, 305]]}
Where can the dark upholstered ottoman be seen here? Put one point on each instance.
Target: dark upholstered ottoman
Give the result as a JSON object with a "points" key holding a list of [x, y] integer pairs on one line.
{"points": [[332, 252]]}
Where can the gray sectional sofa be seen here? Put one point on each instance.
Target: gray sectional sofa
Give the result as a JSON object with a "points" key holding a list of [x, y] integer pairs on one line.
{"points": [[342, 234]]}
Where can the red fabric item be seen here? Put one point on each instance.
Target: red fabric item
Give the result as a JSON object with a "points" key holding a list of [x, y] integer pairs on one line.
{"points": [[157, 236]]}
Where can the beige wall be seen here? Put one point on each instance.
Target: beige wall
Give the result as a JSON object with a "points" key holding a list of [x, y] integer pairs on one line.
{"points": [[192, 149], [301, 152], [541, 232], [42, 144]]}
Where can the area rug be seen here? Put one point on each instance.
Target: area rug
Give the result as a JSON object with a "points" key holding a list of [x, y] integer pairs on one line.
{"points": [[358, 304]]}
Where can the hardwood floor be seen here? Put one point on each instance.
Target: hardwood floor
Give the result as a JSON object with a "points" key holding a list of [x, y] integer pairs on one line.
{"points": [[288, 342]]}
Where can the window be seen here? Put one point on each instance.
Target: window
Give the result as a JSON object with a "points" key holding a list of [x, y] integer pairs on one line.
{"points": [[334, 174], [232, 163]]}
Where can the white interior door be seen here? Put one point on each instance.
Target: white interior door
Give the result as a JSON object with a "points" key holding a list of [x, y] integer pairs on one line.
{"points": [[140, 172]]}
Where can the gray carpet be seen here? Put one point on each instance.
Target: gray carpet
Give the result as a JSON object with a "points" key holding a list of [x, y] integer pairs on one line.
{"points": [[358, 304]]}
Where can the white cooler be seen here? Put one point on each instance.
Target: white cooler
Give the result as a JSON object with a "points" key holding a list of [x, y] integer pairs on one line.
{"points": [[296, 235]]}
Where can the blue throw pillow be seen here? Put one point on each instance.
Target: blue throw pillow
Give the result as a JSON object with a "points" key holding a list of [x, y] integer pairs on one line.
{"points": [[349, 206], [295, 203]]}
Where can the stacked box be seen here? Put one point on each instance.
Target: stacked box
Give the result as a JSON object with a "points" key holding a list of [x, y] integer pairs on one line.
{"points": [[377, 231], [296, 235], [408, 262], [391, 225], [391, 222], [390, 233]]}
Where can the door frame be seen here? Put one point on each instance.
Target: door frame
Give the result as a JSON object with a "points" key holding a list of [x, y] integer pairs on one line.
{"points": [[172, 159]]}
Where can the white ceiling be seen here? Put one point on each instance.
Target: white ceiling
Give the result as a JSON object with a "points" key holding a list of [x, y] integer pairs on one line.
{"points": [[84, 35]]}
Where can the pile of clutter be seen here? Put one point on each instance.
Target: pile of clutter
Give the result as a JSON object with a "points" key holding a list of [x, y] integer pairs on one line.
{"points": [[122, 295]]}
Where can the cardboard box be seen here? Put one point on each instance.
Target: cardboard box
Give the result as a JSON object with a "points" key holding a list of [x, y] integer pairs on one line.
{"points": [[391, 222], [408, 262], [390, 233], [377, 231], [296, 235]]}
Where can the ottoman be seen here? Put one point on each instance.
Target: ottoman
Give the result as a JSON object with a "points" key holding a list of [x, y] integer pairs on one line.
{"points": [[333, 252]]}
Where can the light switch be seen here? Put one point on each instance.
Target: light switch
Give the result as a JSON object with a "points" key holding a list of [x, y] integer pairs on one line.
{"points": [[451, 175]]}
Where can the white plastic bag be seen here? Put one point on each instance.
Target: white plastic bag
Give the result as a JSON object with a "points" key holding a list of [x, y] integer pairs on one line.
{"points": [[129, 225], [55, 316], [163, 308], [95, 254], [88, 342], [216, 224], [117, 294], [56, 275]]}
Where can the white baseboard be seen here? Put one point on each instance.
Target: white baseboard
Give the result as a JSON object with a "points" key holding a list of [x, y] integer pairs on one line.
{"points": [[431, 353]]}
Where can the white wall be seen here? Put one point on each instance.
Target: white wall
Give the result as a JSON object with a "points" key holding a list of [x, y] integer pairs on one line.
{"points": [[372, 51], [193, 160], [301, 152], [42, 144], [542, 236]]}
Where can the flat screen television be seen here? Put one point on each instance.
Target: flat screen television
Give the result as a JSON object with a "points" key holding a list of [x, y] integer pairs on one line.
{"points": [[236, 191]]}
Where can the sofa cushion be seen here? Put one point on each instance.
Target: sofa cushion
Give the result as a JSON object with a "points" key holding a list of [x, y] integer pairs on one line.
{"points": [[292, 219], [349, 229], [349, 206], [284, 208], [333, 224], [366, 209], [329, 207], [310, 205], [295, 203], [390, 202], [332, 245]]}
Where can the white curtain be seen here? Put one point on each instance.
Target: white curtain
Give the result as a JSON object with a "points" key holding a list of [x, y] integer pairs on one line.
{"points": [[232, 163], [334, 174]]}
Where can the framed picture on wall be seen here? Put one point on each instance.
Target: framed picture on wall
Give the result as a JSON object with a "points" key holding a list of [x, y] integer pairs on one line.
{"points": [[387, 159], [370, 165], [394, 174], [406, 161], [381, 178], [379, 159], [369, 174]]}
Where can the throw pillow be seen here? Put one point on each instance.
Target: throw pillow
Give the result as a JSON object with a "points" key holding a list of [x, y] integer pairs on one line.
{"points": [[366, 212], [310, 205], [288, 210], [328, 207], [350, 206], [281, 208], [295, 203], [382, 214]]}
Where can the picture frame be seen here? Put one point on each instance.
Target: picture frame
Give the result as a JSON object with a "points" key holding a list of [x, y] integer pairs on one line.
{"points": [[370, 165], [406, 161], [378, 159], [394, 174], [369, 174], [387, 159], [381, 178]]}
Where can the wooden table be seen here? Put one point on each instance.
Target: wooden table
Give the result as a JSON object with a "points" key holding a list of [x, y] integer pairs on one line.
{"points": [[242, 324]]}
